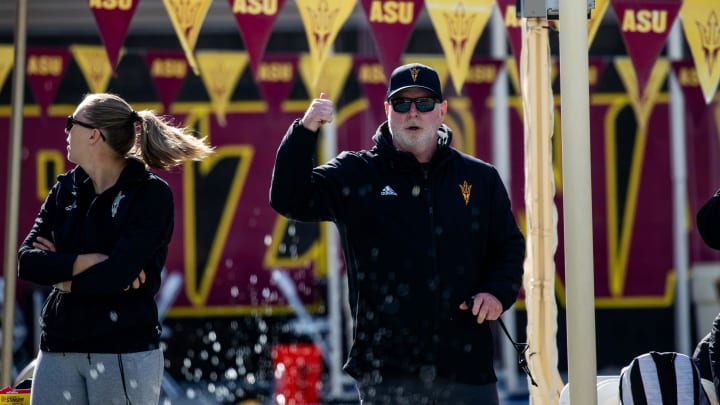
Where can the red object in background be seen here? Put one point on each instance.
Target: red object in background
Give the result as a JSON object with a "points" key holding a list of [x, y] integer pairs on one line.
{"points": [[298, 370], [14, 396]]}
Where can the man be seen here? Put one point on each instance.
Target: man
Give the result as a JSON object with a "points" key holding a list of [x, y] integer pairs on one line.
{"points": [[424, 229], [707, 352]]}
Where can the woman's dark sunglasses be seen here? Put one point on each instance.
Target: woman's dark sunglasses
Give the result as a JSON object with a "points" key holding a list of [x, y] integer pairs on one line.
{"points": [[423, 104], [72, 121]]}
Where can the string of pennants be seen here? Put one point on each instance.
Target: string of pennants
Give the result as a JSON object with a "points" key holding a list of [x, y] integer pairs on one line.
{"points": [[644, 25]]}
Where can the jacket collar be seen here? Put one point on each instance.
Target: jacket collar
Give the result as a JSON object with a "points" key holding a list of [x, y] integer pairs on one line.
{"points": [[385, 147], [77, 178]]}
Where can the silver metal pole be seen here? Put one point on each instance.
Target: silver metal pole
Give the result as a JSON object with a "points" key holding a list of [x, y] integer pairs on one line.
{"points": [[501, 160], [577, 202], [333, 279], [13, 191], [679, 181], [501, 122]]}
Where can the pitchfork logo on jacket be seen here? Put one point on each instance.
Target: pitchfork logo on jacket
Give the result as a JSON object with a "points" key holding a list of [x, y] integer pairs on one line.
{"points": [[116, 203], [465, 190]]}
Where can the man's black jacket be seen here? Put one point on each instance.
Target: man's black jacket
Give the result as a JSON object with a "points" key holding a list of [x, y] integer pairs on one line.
{"points": [[708, 221], [418, 240]]}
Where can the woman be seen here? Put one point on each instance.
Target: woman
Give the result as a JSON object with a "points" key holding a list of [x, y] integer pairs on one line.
{"points": [[101, 239]]}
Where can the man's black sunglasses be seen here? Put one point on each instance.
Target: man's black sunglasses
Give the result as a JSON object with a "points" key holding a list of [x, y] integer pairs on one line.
{"points": [[72, 121], [423, 104]]}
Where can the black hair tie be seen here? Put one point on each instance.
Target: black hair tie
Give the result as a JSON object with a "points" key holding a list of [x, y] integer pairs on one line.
{"points": [[134, 117]]}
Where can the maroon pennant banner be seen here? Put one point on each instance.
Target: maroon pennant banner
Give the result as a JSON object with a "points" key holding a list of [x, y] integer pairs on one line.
{"points": [[480, 80], [370, 75], [44, 70], [482, 74], [255, 21], [113, 20], [168, 70], [596, 68], [687, 77], [555, 71], [645, 26], [391, 23], [275, 78], [513, 27]]}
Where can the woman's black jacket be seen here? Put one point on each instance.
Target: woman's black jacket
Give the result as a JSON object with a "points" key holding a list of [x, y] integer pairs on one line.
{"points": [[132, 224]]}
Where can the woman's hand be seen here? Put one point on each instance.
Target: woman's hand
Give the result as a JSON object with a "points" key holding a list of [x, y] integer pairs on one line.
{"points": [[44, 244], [65, 286], [138, 281], [86, 260]]}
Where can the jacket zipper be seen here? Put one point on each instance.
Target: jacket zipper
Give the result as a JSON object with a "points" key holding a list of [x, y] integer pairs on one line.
{"points": [[84, 225], [433, 252], [87, 213]]}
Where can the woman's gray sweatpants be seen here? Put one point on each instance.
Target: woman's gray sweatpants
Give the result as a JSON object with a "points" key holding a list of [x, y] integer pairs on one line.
{"points": [[97, 378]]}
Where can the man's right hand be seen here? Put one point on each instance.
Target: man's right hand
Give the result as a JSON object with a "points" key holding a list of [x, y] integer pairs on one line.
{"points": [[318, 113]]}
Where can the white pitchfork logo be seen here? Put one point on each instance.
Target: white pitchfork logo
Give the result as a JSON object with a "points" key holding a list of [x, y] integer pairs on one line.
{"points": [[116, 203]]}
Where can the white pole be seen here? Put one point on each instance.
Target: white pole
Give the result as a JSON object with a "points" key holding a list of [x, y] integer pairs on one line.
{"points": [[679, 181], [501, 160], [577, 202], [501, 122], [13, 191], [333, 280]]}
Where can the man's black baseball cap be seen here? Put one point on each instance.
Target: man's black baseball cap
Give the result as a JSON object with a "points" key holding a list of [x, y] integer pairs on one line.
{"points": [[414, 75]]}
